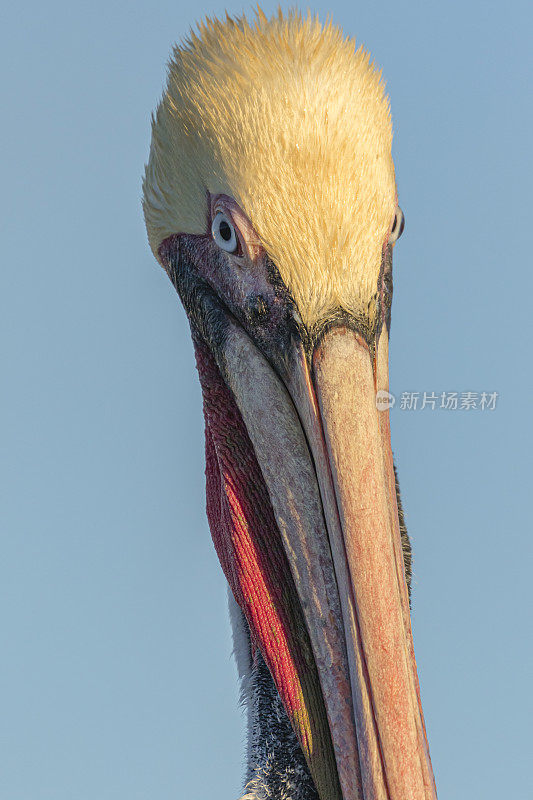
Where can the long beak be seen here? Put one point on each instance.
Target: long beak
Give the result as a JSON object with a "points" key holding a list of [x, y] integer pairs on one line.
{"points": [[363, 526], [325, 454]]}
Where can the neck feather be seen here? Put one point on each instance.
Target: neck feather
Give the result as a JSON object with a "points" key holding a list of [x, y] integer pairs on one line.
{"points": [[275, 765]]}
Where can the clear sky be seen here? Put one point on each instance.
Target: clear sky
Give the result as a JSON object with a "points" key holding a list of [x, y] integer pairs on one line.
{"points": [[116, 678]]}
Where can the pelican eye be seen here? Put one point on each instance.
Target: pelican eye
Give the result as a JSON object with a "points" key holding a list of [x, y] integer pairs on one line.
{"points": [[224, 233], [397, 226]]}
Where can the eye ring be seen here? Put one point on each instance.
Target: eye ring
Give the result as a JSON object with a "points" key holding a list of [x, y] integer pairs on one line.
{"points": [[397, 226], [223, 232]]}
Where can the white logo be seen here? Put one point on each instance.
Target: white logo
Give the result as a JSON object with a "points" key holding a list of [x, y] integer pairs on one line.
{"points": [[384, 400]]}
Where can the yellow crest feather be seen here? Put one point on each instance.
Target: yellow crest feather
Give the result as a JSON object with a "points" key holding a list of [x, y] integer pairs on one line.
{"points": [[290, 119]]}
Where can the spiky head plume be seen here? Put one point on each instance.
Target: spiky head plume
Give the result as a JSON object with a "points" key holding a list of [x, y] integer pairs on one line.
{"points": [[286, 116]]}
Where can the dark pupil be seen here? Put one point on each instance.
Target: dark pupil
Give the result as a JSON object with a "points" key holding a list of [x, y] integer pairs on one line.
{"points": [[402, 226], [225, 230]]}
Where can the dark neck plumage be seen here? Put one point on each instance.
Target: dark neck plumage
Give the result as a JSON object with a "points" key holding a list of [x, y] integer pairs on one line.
{"points": [[275, 766]]}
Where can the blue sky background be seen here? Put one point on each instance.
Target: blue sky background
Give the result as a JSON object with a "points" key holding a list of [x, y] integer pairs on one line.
{"points": [[116, 678]]}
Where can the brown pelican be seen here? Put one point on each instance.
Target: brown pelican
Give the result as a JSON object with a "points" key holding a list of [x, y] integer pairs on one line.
{"points": [[270, 200]]}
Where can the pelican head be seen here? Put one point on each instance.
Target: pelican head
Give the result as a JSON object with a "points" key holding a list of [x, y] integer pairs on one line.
{"points": [[270, 200]]}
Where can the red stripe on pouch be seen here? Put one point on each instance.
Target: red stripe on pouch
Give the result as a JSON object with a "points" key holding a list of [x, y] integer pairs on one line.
{"points": [[249, 546], [245, 533]]}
